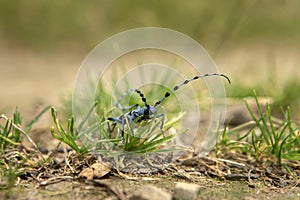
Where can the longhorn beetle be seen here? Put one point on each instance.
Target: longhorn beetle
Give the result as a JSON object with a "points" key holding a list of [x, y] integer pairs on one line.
{"points": [[147, 112]]}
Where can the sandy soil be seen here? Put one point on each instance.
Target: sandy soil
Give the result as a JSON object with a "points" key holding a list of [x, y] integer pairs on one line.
{"points": [[28, 78]]}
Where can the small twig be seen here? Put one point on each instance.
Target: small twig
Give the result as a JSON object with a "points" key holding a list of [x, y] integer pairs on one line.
{"points": [[18, 181], [126, 176], [249, 175], [26, 135], [54, 180], [231, 162], [212, 168], [182, 175], [68, 163], [294, 187]]}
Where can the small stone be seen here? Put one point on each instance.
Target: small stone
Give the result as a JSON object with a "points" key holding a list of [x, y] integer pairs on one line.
{"points": [[251, 185], [150, 192], [144, 171], [269, 170], [186, 191]]}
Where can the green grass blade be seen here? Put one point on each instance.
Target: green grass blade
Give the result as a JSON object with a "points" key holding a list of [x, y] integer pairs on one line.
{"points": [[17, 119], [8, 140], [280, 150], [7, 129], [265, 130], [257, 121], [86, 117]]}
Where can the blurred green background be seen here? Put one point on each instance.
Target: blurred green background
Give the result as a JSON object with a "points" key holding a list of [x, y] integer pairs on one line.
{"points": [[45, 25], [42, 43]]}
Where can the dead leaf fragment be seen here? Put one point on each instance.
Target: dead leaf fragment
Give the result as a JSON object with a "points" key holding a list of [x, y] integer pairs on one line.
{"points": [[96, 170]]}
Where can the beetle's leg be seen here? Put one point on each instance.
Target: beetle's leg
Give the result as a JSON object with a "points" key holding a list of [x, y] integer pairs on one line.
{"points": [[122, 130]]}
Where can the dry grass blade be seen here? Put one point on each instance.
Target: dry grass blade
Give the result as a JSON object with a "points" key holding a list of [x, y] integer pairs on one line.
{"points": [[26, 135], [231, 162]]}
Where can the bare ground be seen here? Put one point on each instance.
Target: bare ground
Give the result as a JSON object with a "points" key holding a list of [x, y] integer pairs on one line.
{"points": [[235, 176]]}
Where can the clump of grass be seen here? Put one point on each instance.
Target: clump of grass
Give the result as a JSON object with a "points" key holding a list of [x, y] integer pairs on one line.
{"points": [[276, 137], [267, 135], [13, 162], [10, 136], [140, 141], [70, 136], [11, 133], [145, 137], [149, 138]]}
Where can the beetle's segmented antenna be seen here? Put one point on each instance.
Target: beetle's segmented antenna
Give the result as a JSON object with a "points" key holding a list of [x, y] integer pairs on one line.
{"points": [[118, 104], [142, 96], [167, 94]]}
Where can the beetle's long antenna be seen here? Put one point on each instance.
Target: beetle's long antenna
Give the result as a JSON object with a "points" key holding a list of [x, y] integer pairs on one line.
{"points": [[118, 104], [167, 94]]}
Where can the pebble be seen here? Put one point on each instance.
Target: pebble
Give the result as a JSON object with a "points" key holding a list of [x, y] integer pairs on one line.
{"points": [[150, 192], [186, 191]]}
